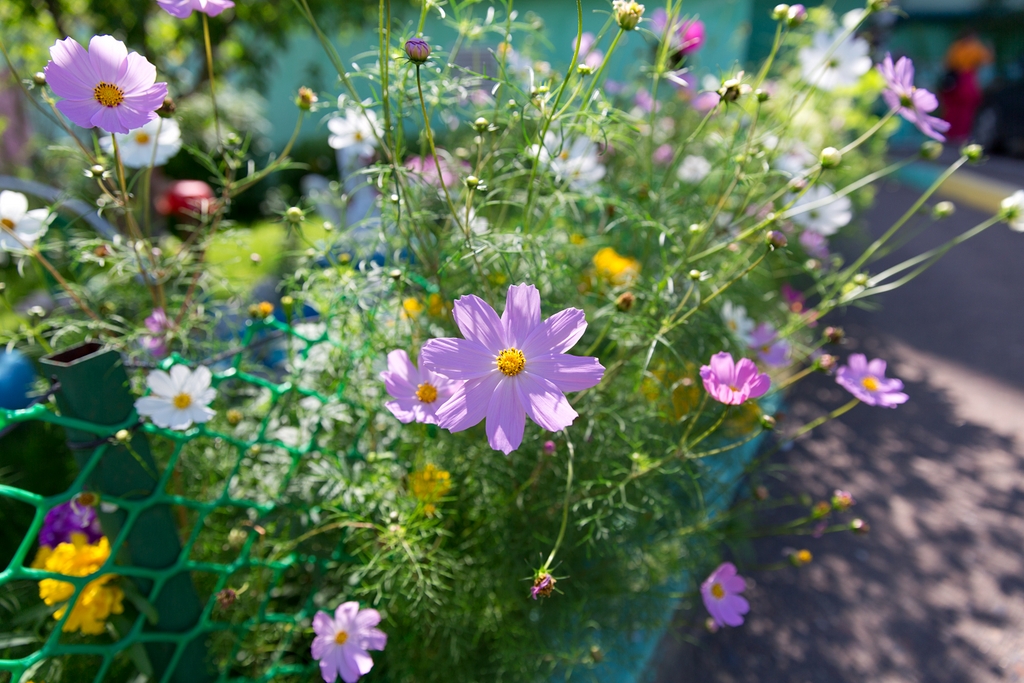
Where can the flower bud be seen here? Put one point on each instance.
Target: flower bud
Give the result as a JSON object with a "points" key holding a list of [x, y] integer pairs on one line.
{"points": [[831, 157], [799, 558], [167, 109], [39, 78], [695, 274], [549, 447], [294, 214], [943, 210], [123, 435], [859, 526], [796, 15], [226, 598], [306, 99], [842, 500], [584, 69], [768, 422], [481, 125], [878, 5], [762, 95], [780, 12], [834, 335], [826, 363], [931, 150], [821, 509], [860, 279], [775, 239], [732, 88], [973, 153], [234, 417], [472, 182], [262, 310], [625, 301], [97, 170], [417, 50], [543, 586], [711, 625], [627, 13]]}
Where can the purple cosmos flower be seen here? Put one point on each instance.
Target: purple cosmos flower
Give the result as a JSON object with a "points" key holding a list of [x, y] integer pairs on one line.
{"points": [[418, 393], [72, 517], [158, 323], [815, 244], [106, 86], [341, 643], [688, 36], [770, 349], [914, 103], [514, 366], [733, 383], [417, 50], [867, 381], [183, 8], [721, 594], [426, 169], [588, 55]]}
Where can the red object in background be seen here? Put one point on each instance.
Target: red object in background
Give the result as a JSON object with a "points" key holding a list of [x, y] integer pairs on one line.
{"points": [[185, 199]]}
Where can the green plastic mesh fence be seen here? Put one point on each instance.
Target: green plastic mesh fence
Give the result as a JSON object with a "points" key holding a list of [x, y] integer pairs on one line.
{"points": [[254, 604]]}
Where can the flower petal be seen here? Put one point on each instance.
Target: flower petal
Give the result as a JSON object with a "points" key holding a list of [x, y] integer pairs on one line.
{"points": [[723, 367], [107, 118], [321, 646], [544, 403], [180, 375], [80, 112], [506, 417], [13, 205], [557, 334], [568, 373], [375, 639], [404, 408], [70, 74], [401, 377], [323, 625], [478, 322], [345, 615], [363, 661], [347, 666], [162, 384], [521, 314], [108, 56], [458, 358], [468, 405], [139, 74]]}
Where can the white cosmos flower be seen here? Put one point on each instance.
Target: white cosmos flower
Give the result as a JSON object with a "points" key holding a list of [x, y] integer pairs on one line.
{"points": [[356, 130], [825, 219], [478, 224], [15, 217], [575, 161], [156, 142], [848, 62], [693, 169], [736, 319], [1013, 207], [178, 399]]}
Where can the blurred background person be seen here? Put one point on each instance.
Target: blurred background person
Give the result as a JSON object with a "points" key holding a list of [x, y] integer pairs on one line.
{"points": [[961, 93]]}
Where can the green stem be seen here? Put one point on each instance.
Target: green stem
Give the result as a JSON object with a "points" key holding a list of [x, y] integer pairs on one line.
{"points": [[565, 506], [209, 67], [437, 160]]}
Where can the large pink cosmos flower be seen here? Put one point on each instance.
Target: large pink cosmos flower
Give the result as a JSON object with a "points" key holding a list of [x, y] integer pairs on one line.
{"points": [[721, 594], [733, 383], [341, 643], [418, 392], [106, 87], [867, 381], [514, 366], [915, 104], [183, 8]]}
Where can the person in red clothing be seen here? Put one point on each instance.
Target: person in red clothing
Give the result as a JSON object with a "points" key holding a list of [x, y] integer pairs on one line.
{"points": [[961, 95]]}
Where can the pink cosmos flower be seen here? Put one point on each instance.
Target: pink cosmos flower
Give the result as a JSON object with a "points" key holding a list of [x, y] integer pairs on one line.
{"points": [[914, 103], [770, 349], [688, 35], [706, 101], [733, 383], [663, 155], [588, 55], [721, 594], [867, 381], [418, 393], [106, 87], [514, 366], [183, 8], [426, 169], [341, 643]]}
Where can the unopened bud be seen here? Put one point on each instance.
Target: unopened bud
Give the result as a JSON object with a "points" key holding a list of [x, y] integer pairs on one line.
{"points": [[418, 50], [123, 435], [168, 108], [287, 305], [878, 5], [859, 526], [234, 417], [481, 124], [732, 88], [627, 13], [820, 509], [780, 12], [943, 210], [931, 150], [834, 335], [294, 214], [306, 99], [472, 182], [768, 422], [625, 301], [694, 274], [97, 169], [584, 69], [395, 274], [762, 95], [973, 153], [842, 500], [826, 363], [860, 279], [796, 15], [775, 239], [549, 447], [39, 78], [831, 157], [226, 598]]}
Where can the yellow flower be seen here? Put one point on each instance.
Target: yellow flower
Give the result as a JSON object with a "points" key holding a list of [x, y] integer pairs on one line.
{"points": [[97, 601], [436, 306], [413, 307], [614, 267], [429, 485]]}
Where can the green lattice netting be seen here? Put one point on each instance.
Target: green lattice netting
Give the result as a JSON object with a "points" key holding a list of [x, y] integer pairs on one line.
{"points": [[260, 637]]}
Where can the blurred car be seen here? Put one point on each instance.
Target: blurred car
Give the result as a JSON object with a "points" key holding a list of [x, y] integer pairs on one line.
{"points": [[999, 123]]}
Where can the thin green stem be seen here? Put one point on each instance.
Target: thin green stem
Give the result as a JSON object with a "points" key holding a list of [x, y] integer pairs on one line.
{"points": [[565, 505], [437, 161], [209, 68]]}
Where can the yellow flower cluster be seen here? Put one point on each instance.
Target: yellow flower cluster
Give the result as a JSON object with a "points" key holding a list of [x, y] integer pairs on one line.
{"points": [[97, 601], [615, 268], [429, 485]]}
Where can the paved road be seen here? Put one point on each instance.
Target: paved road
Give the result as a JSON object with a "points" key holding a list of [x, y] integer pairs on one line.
{"points": [[935, 593]]}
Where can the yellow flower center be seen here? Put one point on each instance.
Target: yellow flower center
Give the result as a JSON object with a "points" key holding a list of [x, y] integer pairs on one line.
{"points": [[427, 393], [108, 94], [717, 590], [341, 637], [182, 401], [142, 137], [358, 136], [870, 383], [511, 362], [7, 223]]}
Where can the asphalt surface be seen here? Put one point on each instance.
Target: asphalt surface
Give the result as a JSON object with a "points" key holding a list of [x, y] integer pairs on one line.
{"points": [[935, 592]]}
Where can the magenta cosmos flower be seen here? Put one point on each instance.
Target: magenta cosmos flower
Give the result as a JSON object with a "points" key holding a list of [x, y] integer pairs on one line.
{"points": [[106, 87], [914, 103], [513, 366], [183, 8], [418, 393], [721, 594], [733, 383], [341, 643], [770, 349], [867, 381], [689, 34]]}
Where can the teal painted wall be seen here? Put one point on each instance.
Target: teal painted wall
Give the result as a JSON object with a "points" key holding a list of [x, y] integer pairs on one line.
{"points": [[304, 63]]}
